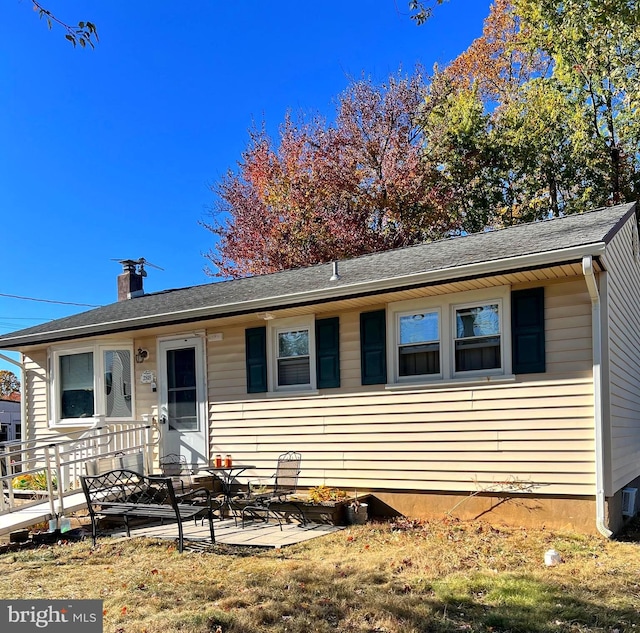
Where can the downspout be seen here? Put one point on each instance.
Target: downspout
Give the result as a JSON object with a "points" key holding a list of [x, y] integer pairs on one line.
{"points": [[598, 413], [23, 395]]}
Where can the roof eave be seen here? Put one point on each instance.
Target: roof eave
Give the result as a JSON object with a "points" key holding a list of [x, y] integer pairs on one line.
{"points": [[485, 268]]}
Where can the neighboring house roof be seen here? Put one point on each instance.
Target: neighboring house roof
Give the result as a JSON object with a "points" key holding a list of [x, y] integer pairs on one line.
{"points": [[527, 245]]}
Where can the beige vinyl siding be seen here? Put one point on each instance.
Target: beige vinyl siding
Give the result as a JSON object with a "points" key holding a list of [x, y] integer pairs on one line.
{"points": [[146, 400], [536, 431], [623, 305], [568, 327], [444, 439], [226, 363], [35, 391]]}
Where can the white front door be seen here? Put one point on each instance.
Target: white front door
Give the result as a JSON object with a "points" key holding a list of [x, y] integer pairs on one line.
{"points": [[182, 399]]}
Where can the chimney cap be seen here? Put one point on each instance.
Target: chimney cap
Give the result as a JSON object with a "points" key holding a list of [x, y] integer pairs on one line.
{"points": [[130, 280], [135, 265]]}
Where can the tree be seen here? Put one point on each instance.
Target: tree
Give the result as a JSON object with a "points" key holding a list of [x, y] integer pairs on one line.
{"points": [[539, 146], [459, 143], [537, 118], [9, 385], [422, 10], [594, 47], [329, 191], [84, 33], [497, 62]]}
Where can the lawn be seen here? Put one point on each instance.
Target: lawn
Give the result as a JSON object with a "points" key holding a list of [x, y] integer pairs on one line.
{"points": [[402, 577]]}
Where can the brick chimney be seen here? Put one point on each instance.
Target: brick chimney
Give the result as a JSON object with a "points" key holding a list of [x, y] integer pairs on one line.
{"points": [[130, 281]]}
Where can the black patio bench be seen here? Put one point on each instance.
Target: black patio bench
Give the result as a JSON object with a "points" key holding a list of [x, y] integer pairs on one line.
{"points": [[128, 494]]}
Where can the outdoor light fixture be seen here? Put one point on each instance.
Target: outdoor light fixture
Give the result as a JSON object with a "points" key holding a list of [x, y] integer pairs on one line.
{"points": [[141, 355]]}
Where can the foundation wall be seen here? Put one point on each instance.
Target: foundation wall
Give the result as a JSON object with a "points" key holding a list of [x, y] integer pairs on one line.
{"points": [[557, 513]]}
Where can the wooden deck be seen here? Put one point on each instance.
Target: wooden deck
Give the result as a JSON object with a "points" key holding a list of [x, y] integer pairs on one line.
{"points": [[258, 534]]}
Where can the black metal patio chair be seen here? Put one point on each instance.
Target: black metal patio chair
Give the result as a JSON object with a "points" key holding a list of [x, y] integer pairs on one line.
{"points": [[175, 466], [285, 483]]}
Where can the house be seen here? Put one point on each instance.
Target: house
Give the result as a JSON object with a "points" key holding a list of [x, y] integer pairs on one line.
{"points": [[10, 429], [495, 374]]}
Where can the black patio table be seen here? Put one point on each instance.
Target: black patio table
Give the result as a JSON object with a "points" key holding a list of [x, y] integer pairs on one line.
{"points": [[226, 475]]}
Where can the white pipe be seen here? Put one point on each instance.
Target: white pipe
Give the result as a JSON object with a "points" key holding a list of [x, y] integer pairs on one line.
{"points": [[596, 337]]}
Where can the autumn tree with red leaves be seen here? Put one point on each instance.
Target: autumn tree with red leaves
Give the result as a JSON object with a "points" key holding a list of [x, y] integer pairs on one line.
{"points": [[539, 117], [325, 191]]}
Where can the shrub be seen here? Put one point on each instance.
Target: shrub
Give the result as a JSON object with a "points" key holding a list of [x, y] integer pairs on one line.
{"points": [[319, 494], [32, 481]]}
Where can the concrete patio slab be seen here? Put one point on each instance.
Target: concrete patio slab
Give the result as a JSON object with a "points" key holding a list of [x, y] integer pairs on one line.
{"points": [[258, 534]]}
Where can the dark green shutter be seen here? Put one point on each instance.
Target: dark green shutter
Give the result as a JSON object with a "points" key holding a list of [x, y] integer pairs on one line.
{"points": [[256, 357], [373, 347], [527, 331], [328, 352]]}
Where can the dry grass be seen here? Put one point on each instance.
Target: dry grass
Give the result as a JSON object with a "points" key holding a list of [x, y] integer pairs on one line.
{"points": [[396, 578]]}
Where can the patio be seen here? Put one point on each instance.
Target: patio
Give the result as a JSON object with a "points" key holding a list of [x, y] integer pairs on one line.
{"points": [[257, 533]]}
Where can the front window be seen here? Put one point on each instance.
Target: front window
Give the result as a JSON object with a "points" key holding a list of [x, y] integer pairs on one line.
{"points": [[95, 380], [291, 355], [449, 337], [294, 366], [76, 385], [419, 344], [477, 341]]}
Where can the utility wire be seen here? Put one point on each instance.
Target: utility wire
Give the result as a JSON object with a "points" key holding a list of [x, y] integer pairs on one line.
{"points": [[15, 318], [64, 303]]}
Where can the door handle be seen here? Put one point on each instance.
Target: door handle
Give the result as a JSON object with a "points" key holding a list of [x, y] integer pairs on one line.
{"points": [[163, 419]]}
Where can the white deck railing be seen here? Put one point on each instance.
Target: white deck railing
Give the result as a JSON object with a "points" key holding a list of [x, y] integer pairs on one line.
{"points": [[59, 463]]}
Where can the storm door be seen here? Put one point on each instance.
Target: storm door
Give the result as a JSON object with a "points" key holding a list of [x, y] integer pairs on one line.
{"points": [[182, 399]]}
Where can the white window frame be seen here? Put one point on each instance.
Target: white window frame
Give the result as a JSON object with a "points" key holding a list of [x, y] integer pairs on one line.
{"points": [[276, 327], [447, 305], [99, 395], [396, 348], [498, 371]]}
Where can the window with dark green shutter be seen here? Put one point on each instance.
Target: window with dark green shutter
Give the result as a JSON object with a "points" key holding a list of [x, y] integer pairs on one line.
{"points": [[256, 359], [328, 353], [373, 347], [527, 331]]}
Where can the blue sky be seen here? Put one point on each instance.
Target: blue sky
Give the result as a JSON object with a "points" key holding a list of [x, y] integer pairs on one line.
{"points": [[110, 153]]}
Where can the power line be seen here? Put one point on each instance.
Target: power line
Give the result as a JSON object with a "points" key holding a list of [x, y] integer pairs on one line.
{"points": [[64, 303], [15, 318]]}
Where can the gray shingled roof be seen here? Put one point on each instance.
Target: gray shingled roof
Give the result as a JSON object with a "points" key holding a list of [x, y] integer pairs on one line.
{"points": [[538, 243]]}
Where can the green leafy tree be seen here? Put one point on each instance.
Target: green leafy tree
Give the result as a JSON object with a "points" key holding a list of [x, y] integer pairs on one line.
{"points": [[594, 47], [551, 163], [518, 134], [458, 141]]}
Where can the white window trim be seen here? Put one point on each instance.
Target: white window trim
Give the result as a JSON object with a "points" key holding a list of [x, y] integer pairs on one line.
{"points": [[423, 377], [98, 349], [279, 325], [453, 336], [447, 304]]}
